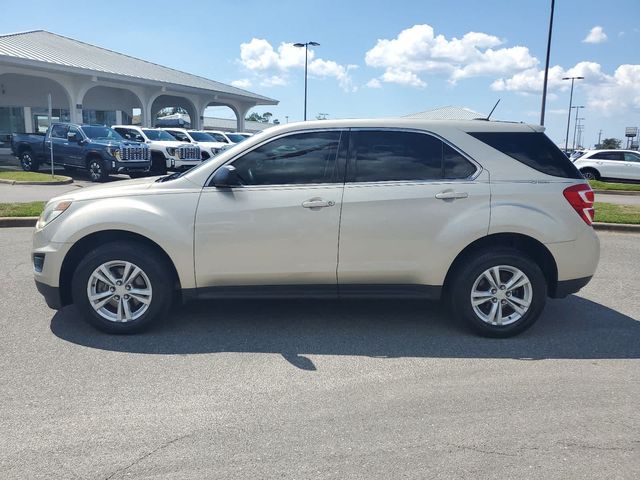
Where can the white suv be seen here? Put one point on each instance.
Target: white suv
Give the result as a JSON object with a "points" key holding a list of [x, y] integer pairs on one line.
{"points": [[609, 164], [167, 153], [491, 216]]}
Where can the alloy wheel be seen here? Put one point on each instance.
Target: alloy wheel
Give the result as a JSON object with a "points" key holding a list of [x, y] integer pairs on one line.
{"points": [[119, 291], [501, 295]]}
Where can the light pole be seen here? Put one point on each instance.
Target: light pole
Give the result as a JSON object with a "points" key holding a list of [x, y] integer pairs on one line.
{"points": [[566, 141], [546, 65], [599, 137], [306, 56], [575, 124]]}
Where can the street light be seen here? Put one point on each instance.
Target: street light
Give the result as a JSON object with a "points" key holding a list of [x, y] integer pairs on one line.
{"points": [[575, 124], [546, 65], [566, 141], [306, 56]]}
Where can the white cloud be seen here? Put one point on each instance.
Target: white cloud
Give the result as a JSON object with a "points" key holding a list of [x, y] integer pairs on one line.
{"points": [[374, 83], [596, 35], [418, 50], [605, 93], [272, 65], [242, 83]]}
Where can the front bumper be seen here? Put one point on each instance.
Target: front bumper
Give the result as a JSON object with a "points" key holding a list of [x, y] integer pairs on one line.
{"points": [[51, 295], [123, 167]]}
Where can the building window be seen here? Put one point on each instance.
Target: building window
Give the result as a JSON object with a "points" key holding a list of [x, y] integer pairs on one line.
{"points": [[127, 119], [41, 117], [99, 117], [11, 121]]}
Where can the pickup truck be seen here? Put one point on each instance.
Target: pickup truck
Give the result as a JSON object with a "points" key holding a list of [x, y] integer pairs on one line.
{"points": [[96, 148], [167, 153]]}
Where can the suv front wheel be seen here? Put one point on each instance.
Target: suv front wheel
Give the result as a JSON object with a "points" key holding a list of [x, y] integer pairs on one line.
{"points": [[121, 288], [498, 293]]}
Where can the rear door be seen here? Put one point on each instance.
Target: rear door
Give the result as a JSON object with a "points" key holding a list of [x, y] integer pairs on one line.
{"points": [[632, 162], [59, 143], [280, 228], [411, 203]]}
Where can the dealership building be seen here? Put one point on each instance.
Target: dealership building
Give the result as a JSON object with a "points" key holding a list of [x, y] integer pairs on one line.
{"points": [[90, 84]]}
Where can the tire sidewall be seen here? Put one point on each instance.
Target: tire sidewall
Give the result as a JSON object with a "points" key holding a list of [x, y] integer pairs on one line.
{"points": [[460, 298], [157, 272], [27, 162]]}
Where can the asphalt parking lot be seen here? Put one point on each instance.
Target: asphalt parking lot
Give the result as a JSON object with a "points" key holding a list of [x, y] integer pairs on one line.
{"points": [[322, 389]]}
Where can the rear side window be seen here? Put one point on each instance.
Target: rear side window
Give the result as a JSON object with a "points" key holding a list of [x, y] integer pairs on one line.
{"points": [[533, 149], [382, 155]]}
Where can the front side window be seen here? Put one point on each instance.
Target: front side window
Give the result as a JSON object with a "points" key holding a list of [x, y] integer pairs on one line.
{"points": [[302, 158], [616, 156], [59, 131], [379, 156]]}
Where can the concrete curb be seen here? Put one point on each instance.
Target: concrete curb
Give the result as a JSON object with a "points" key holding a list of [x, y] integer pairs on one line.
{"points": [[617, 227], [66, 181], [7, 222], [617, 192]]}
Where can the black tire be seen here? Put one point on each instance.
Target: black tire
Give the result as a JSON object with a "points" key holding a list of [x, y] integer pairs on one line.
{"points": [[28, 162], [590, 174], [462, 282], [158, 164], [97, 170], [155, 272]]}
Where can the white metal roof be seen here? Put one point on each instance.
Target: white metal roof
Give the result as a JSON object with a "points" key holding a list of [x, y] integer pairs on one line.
{"points": [[53, 49], [447, 113]]}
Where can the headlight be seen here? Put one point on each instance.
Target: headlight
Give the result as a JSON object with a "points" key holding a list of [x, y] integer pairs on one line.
{"points": [[52, 211], [215, 150], [171, 151], [115, 153]]}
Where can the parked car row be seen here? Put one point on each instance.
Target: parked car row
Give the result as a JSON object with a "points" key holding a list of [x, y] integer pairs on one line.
{"points": [[128, 149], [609, 165]]}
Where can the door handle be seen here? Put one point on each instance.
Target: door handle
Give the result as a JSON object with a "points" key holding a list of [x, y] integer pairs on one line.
{"points": [[318, 203], [450, 194]]}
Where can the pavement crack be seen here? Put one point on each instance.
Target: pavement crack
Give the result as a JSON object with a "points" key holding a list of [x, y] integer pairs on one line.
{"points": [[488, 452], [147, 455]]}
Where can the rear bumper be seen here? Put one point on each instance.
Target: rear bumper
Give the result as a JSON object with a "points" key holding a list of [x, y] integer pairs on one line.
{"points": [[51, 295], [567, 287]]}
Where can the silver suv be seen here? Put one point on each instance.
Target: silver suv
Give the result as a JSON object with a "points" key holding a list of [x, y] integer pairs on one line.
{"points": [[490, 216]]}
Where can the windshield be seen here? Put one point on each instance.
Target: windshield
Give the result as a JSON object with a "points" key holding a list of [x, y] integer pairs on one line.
{"points": [[235, 138], [218, 137], [201, 137], [158, 135], [101, 133]]}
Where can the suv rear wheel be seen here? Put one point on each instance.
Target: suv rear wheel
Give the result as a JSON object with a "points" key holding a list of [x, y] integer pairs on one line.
{"points": [[498, 293], [121, 288], [590, 174]]}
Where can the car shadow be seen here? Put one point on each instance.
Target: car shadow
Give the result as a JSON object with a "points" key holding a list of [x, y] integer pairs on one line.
{"points": [[573, 328]]}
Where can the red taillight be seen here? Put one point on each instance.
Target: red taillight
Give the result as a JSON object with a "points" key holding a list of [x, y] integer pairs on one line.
{"points": [[581, 198]]}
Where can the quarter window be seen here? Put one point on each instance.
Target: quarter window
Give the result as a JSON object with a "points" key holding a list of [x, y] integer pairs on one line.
{"points": [[379, 156], [302, 158]]}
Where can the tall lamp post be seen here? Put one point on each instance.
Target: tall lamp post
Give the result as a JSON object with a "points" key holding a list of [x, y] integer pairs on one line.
{"points": [[575, 124], [306, 57], [566, 141], [546, 65]]}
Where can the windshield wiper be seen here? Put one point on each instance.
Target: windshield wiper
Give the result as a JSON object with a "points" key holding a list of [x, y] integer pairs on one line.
{"points": [[169, 177]]}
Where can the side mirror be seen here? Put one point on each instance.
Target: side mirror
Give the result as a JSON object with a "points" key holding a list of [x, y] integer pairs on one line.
{"points": [[72, 137], [226, 176]]}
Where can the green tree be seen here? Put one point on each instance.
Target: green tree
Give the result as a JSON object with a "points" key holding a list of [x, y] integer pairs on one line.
{"points": [[256, 117], [611, 143]]}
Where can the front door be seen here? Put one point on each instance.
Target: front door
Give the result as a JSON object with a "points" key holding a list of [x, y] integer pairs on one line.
{"points": [[411, 203], [632, 164], [280, 227]]}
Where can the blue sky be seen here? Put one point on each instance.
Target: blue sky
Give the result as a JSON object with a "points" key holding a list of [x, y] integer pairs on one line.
{"points": [[466, 53]]}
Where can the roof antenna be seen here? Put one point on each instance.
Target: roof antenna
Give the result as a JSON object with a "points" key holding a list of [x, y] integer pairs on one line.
{"points": [[494, 107]]}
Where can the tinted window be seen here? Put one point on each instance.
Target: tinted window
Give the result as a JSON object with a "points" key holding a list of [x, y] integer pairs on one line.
{"points": [[179, 136], [201, 137], [218, 137], [395, 156], [158, 135], [455, 165], [533, 149], [59, 131], [296, 159], [631, 157], [101, 133], [608, 156]]}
